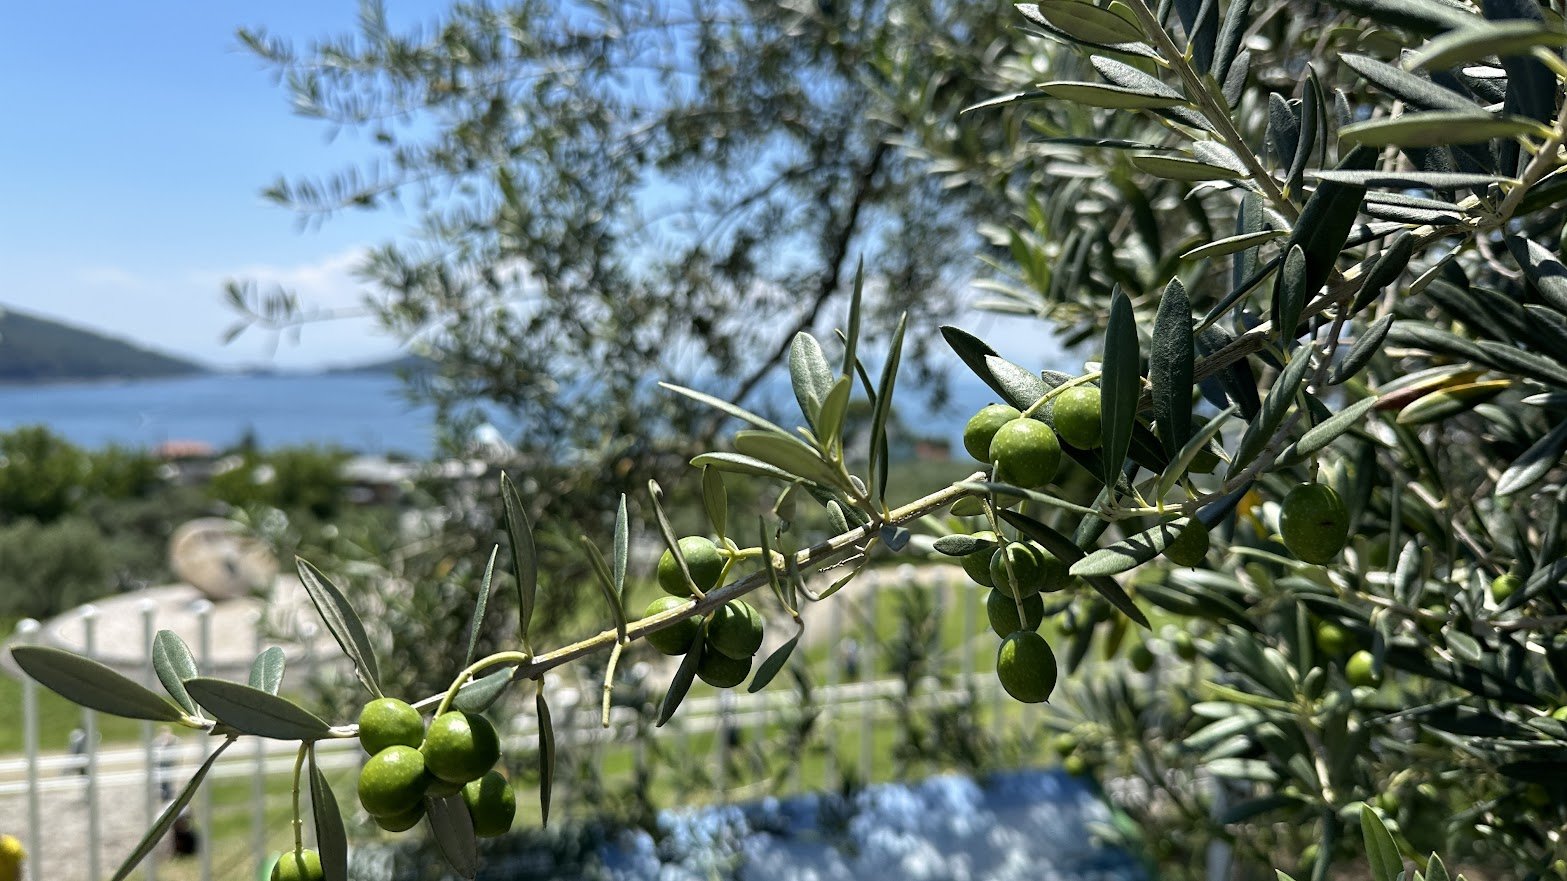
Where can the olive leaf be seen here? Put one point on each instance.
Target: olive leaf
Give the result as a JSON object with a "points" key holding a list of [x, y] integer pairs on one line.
{"points": [[1231, 244], [477, 695], [606, 582], [735, 463], [1290, 294], [173, 662], [1406, 180], [681, 684], [1381, 852], [1181, 169], [452, 829], [1122, 386], [480, 606], [1131, 551], [1274, 407], [524, 556], [622, 549], [1481, 39], [1328, 216], [788, 455], [851, 337], [1183, 459], [727, 408], [1537, 461], [881, 410], [253, 711], [1170, 367], [266, 672], [667, 532], [770, 668], [1420, 16], [835, 407], [1089, 23], [1390, 264], [1306, 140], [342, 622], [1328, 430], [1109, 97], [161, 826], [546, 753], [1412, 89], [93, 685], [1067, 551], [1437, 128], [714, 500], [1543, 269], [809, 374], [331, 838]]}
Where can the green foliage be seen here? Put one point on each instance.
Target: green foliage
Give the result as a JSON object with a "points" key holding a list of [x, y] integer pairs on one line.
{"points": [[42, 475], [51, 568], [296, 479]]}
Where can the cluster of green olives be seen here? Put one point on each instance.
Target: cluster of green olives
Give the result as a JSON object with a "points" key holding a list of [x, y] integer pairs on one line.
{"points": [[734, 630], [457, 754]]}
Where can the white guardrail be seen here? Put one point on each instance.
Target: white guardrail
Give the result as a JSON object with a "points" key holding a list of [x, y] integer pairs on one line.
{"points": [[115, 778]]}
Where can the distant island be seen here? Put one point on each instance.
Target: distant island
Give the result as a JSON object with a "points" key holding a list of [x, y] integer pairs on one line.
{"points": [[34, 349]]}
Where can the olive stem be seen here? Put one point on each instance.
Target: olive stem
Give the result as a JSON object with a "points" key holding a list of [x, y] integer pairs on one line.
{"points": [[510, 657], [1053, 393], [299, 824]]}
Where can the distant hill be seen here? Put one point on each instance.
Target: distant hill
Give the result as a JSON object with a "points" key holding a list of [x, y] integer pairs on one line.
{"points": [[34, 349], [401, 364]]}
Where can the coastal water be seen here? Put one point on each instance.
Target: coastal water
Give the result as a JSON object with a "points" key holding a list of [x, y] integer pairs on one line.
{"points": [[364, 412]]}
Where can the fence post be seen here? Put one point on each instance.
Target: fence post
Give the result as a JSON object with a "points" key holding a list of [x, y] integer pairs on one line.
{"points": [[27, 632], [203, 608], [154, 783], [90, 726], [258, 787]]}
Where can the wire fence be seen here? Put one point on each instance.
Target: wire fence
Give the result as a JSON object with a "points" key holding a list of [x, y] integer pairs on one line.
{"points": [[82, 810]]}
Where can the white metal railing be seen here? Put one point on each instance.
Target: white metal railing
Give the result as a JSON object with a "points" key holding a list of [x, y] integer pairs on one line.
{"points": [[100, 777]]}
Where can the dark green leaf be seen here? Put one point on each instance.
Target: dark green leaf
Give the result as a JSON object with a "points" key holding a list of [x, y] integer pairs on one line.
{"points": [[1237, 380], [1382, 273], [1065, 550], [174, 663], [1290, 294], [1381, 852], [1020, 387], [1121, 74], [253, 711], [1188, 453], [961, 545], [1170, 367], [165, 822], [93, 685], [1436, 870], [770, 668], [1420, 16], [667, 532], [1243, 811], [1231, 244], [1310, 115], [1231, 36], [1328, 217], [1089, 23], [1031, 11], [479, 607], [266, 672], [851, 338], [809, 374], [1436, 128], [1482, 39], [1416, 91], [1361, 353], [452, 829], [546, 754], [1122, 386], [1450, 401], [1274, 407], [1537, 461], [1330, 429], [1131, 551], [524, 557], [883, 410], [343, 623], [1283, 131], [331, 838], [682, 681], [1543, 269], [479, 694]]}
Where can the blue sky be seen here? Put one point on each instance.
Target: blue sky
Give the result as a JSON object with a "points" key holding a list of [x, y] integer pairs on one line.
{"points": [[137, 139]]}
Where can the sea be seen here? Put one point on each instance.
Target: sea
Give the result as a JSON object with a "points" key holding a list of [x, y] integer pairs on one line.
{"points": [[364, 412]]}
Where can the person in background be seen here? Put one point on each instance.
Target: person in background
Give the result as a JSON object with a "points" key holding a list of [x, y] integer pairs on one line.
{"points": [[165, 751], [76, 744]]}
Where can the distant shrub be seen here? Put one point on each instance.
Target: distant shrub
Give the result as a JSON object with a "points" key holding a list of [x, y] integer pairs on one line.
{"points": [[51, 567], [42, 475], [295, 479], [117, 472]]}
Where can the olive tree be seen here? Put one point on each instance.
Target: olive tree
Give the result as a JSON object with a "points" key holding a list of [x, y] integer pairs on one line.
{"points": [[1318, 448]]}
